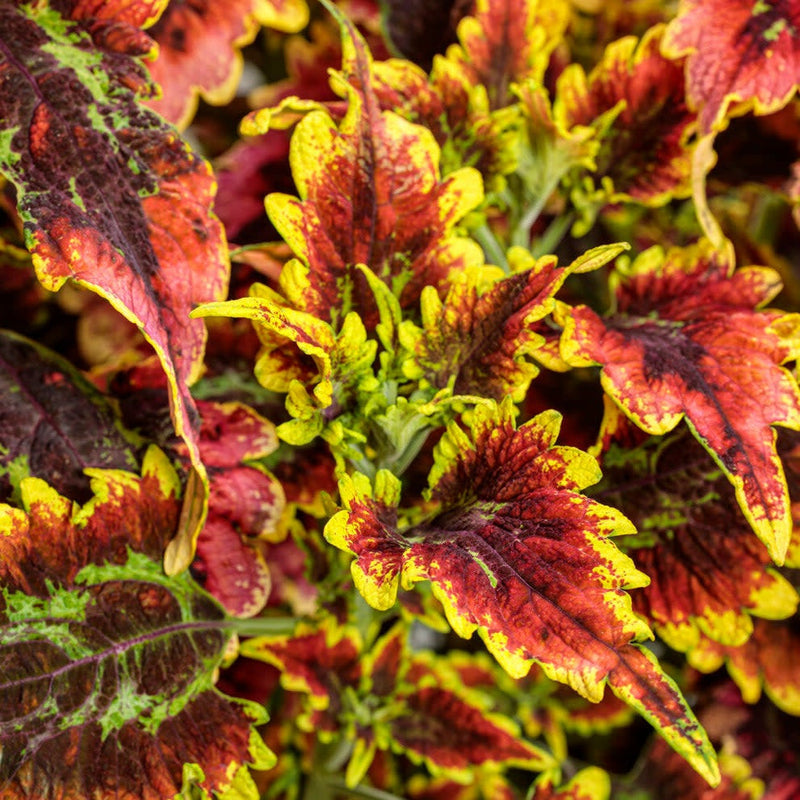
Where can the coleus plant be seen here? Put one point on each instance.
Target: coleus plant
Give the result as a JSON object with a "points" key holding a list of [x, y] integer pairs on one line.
{"points": [[337, 334]]}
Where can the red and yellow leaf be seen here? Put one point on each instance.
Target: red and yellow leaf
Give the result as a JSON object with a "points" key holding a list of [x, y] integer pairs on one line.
{"points": [[508, 41], [709, 575], [518, 554], [479, 339], [635, 98], [591, 783], [370, 193], [766, 661], [132, 223], [741, 55], [318, 661], [199, 45], [689, 339], [452, 736], [107, 687]]}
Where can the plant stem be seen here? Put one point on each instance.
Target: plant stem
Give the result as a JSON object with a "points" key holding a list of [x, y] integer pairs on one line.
{"points": [[368, 792], [491, 247], [263, 626]]}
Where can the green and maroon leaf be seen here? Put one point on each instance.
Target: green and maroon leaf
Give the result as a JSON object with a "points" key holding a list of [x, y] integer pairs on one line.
{"points": [[133, 220], [484, 332], [107, 687], [54, 423], [689, 339], [635, 98], [591, 783], [357, 207], [137, 13], [518, 554], [709, 574], [452, 736], [741, 55], [766, 661], [199, 49]]}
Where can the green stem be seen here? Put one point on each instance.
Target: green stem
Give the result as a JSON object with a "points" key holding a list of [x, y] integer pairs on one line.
{"points": [[548, 242], [493, 250], [368, 792], [522, 232], [263, 626]]}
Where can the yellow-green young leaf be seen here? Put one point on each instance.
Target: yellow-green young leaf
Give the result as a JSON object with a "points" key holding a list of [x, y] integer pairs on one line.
{"points": [[343, 360], [108, 664], [518, 554]]}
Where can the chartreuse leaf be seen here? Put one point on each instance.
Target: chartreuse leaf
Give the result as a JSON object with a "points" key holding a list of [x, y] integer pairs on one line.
{"points": [[108, 664], [198, 49], [517, 553], [688, 338], [343, 359], [109, 194], [709, 575], [740, 56], [370, 193]]}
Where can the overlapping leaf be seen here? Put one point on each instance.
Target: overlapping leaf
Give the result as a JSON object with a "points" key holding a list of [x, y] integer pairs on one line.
{"points": [[107, 686], [507, 41], [635, 99], [230, 556], [480, 336], [389, 703], [198, 49], [518, 554], [767, 661], [591, 783], [54, 423], [370, 193], [740, 55], [709, 574], [689, 339], [109, 195]]}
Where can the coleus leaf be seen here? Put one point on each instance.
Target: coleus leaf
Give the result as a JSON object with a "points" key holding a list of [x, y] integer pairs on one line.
{"points": [[138, 207], [107, 686], [230, 556], [54, 423], [766, 661], [709, 575], [358, 206], [689, 338], [507, 41], [635, 99], [518, 554], [741, 55], [480, 336], [343, 360], [591, 783], [456, 111], [198, 49]]}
